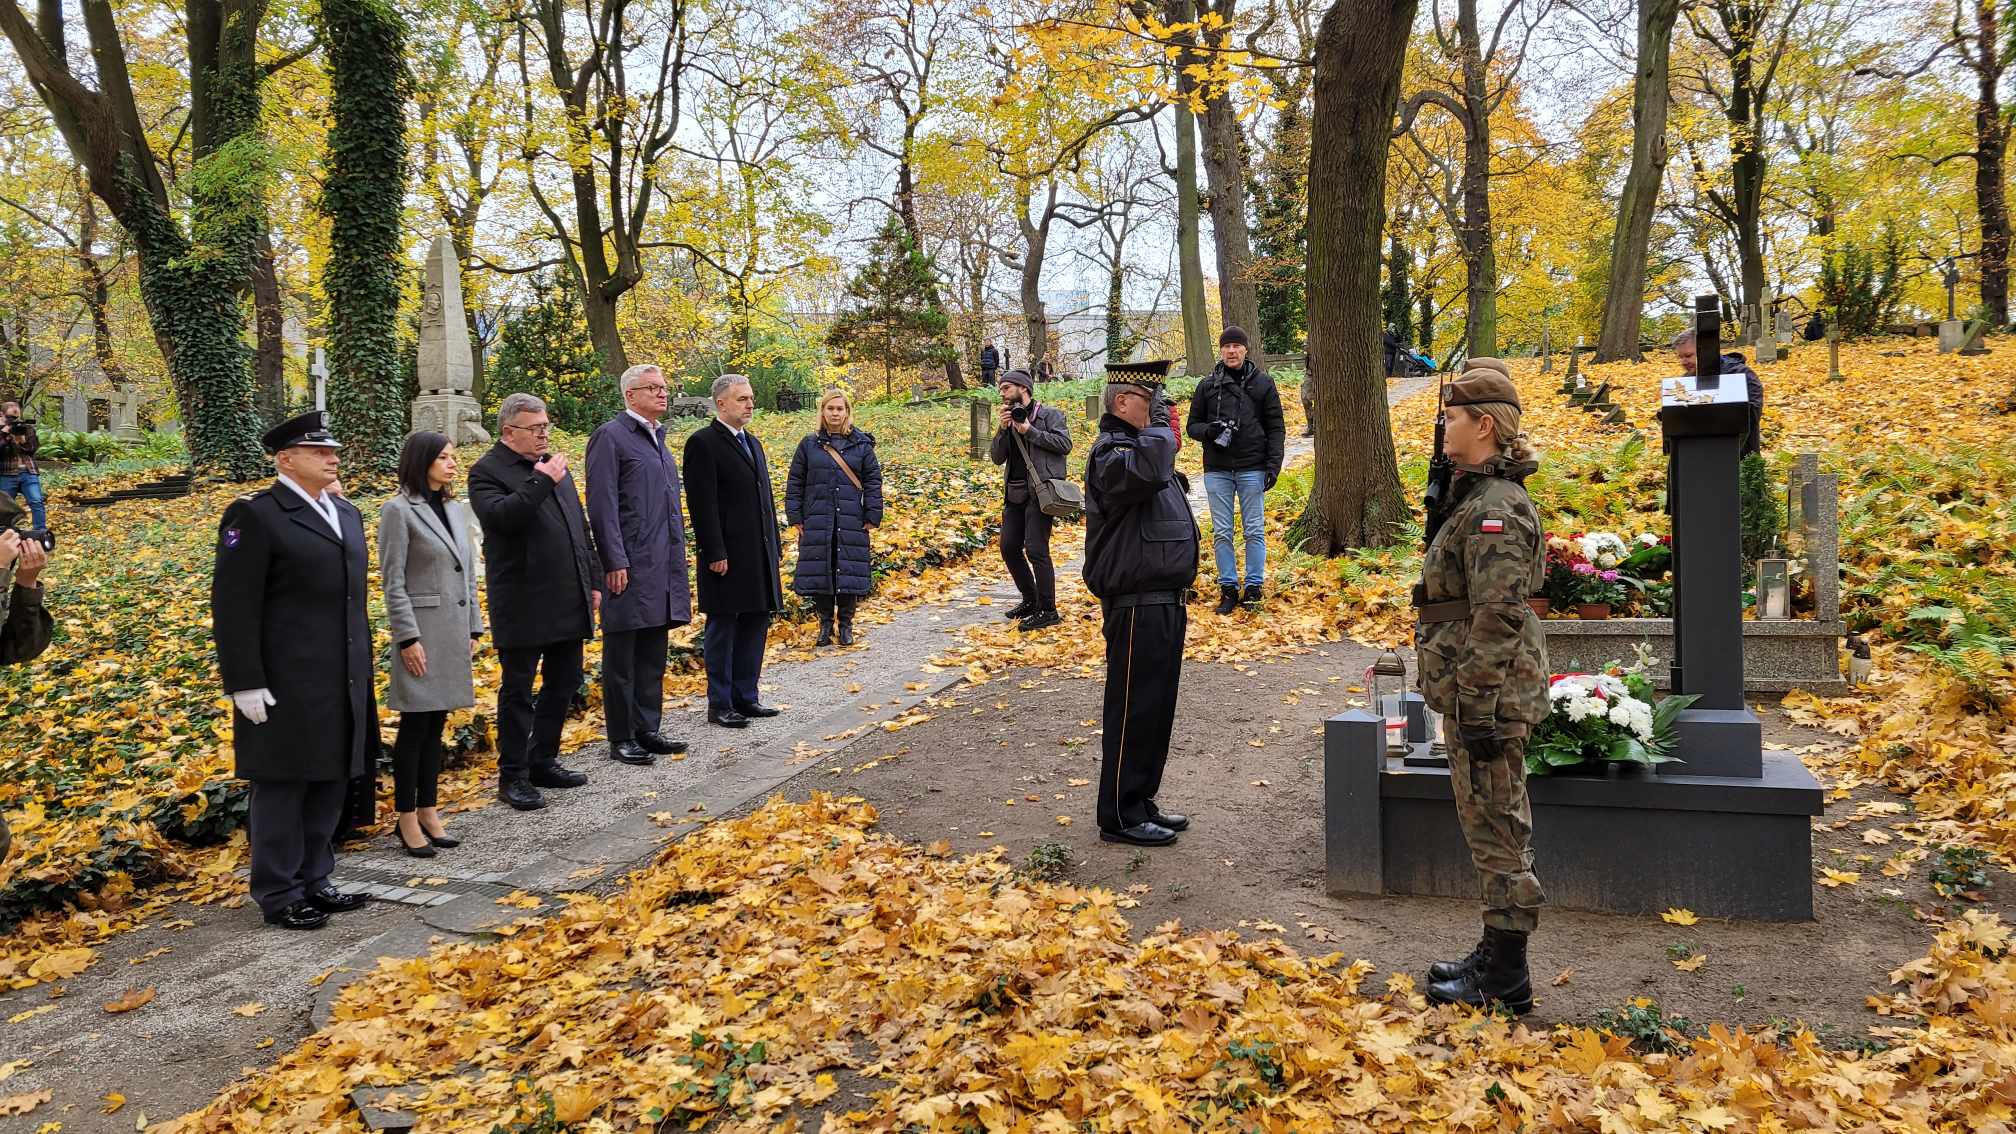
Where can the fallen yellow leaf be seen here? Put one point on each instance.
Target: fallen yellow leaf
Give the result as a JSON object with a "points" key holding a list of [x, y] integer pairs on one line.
{"points": [[1692, 963], [1678, 916], [134, 999], [249, 1009]]}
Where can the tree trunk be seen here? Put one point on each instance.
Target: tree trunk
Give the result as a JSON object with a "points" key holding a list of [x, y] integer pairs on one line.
{"points": [[98, 289], [1747, 165], [1396, 313], [269, 383], [1189, 255], [1624, 298], [1356, 500], [598, 306], [1479, 255], [1035, 243], [1991, 145], [1117, 344], [1225, 171]]}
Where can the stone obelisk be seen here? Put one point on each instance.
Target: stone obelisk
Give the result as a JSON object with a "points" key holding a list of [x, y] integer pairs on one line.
{"points": [[447, 403]]}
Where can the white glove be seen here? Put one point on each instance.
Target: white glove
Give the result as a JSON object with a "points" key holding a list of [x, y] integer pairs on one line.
{"points": [[253, 702]]}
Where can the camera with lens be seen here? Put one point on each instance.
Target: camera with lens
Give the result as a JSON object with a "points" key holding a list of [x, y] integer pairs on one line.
{"points": [[1223, 438], [1019, 411], [36, 535]]}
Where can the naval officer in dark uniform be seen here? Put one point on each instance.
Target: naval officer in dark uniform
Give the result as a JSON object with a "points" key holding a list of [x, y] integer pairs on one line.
{"points": [[287, 606], [1140, 559]]}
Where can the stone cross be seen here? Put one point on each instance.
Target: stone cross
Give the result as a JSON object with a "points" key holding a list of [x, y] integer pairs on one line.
{"points": [[447, 364], [320, 372], [1766, 341], [126, 411], [1834, 354]]}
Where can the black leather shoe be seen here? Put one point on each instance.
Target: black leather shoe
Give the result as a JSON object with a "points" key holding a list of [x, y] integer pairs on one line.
{"points": [[1042, 620], [1140, 835], [1020, 610], [630, 752], [329, 899], [554, 774], [656, 742], [521, 795], [445, 842], [729, 719], [757, 710], [1175, 821], [300, 915]]}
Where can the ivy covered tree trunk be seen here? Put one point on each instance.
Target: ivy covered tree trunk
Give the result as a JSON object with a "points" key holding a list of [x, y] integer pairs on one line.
{"points": [[363, 193], [192, 279], [1356, 500]]}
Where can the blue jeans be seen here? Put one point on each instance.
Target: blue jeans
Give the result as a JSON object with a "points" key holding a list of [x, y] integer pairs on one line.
{"points": [[1250, 485], [27, 484]]}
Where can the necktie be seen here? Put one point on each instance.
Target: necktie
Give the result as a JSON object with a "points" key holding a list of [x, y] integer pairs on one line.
{"points": [[747, 448]]}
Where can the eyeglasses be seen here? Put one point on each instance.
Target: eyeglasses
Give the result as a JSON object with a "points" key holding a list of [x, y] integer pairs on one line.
{"points": [[656, 388], [534, 430]]}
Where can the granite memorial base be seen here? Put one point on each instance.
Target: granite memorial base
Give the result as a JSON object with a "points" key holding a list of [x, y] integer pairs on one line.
{"points": [[1778, 657], [1626, 841]]}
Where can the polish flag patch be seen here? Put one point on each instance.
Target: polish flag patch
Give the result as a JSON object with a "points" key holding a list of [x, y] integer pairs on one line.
{"points": [[1491, 527]]}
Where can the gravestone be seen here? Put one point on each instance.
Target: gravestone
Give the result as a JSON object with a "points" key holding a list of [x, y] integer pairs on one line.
{"points": [[76, 412], [1092, 407], [126, 412], [1726, 833], [979, 435], [1952, 333], [1575, 359], [1971, 339], [1834, 354], [447, 403], [1546, 352]]}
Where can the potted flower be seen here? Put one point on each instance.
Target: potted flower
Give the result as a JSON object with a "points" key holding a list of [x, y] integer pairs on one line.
{"points": [[1598, 590], [1558, 584], [1603, 720]]}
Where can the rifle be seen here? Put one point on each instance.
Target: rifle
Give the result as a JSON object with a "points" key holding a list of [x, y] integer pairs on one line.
{"points": [[1440, 471]]}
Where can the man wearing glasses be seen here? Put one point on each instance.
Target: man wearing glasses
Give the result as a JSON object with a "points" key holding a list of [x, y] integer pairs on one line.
{"points": [[633, 505], [545, 583]]}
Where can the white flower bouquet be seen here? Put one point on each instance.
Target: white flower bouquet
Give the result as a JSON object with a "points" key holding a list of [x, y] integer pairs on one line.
{"points": [[1603, 718]]}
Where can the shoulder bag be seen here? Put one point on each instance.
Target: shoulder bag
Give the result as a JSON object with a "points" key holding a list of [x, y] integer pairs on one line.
{"points": [[844, 466], [1056, 496]]}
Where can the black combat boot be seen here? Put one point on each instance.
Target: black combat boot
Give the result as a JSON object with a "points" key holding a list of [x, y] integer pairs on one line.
{"points": [[847, 619], [1450, 970], [1228, 599], [824, 605], [1252, 599], [1499, 976]]}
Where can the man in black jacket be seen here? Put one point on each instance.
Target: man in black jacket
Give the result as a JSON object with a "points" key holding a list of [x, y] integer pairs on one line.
{"points": [[990, 363], [1732, 363], [1031, 443], [287, 609], [734, 514], [1140, 558], [544, 578], [1236, 414]]}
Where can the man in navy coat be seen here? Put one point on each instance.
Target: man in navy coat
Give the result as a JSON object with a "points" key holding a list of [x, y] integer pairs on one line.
{"points": [[734, 513], [633, 505], [287, 607]]}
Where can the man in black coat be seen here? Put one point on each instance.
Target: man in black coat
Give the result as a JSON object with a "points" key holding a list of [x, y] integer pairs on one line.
{"points": [[1733, 362], [1030, 443], [734, 514], [288, 609], [1140, 559], [1236, 414], [543, 577], [990, 363]]}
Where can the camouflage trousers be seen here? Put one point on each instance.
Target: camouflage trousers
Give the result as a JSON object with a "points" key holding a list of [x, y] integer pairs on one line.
{"points": [[1498, 827]]}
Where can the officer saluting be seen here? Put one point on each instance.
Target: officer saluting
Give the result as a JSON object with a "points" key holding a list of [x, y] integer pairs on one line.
{"points": [[1140, 558], [287, 606]]}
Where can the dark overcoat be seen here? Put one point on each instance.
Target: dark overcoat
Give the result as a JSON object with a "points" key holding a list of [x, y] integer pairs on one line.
{"points": [[539, 559], [833, 549], [734, 514], [633, 505], [288, 607]]}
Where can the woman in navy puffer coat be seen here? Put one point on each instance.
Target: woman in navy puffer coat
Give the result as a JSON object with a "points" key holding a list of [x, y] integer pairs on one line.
{"points": [[833, 512]]}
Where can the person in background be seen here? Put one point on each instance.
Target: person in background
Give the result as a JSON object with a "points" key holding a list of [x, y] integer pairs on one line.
{"points": [[1732, 363], [990, 363], [833, 495], [1030, 443], [18, 474], [633, 505], [734, 513], [427, 561], [1236, 416], [545, 585], [288, 609], [25, 625]]}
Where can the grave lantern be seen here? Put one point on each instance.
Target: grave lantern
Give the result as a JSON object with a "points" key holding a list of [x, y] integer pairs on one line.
{"points": [[1386, 686], [1774, 589]]}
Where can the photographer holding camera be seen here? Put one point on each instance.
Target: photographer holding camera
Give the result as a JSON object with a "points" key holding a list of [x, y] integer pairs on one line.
{"points": [[18, 474], [25, 625], [1236, 413], [1031, 444]]}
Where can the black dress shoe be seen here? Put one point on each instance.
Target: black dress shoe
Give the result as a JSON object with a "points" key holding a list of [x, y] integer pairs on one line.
{"points": [[300, 915], [424, 850], [728, 719], [1020, 610], [521, 795], [759, 709], [1140, 835], [445, 842], [553, 774], [656, 742], [630, 752], [1041, 620], [1173, 820], [329, 899]]}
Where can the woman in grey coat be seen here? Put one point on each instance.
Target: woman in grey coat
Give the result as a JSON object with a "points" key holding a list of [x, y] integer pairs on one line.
{"points": [[428, 563]]}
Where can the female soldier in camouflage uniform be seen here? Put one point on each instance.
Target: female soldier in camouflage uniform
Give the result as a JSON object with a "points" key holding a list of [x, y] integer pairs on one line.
{"points": [[1483, 666]]}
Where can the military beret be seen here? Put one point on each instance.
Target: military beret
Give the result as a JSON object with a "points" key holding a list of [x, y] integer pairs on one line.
{"points": [[1497, 364], [1482, 386]]}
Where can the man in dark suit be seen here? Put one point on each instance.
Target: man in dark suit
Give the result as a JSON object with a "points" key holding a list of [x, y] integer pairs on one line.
{"points": [[734, 517], [287, 607], [633, 504], [544, 582]]}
